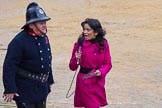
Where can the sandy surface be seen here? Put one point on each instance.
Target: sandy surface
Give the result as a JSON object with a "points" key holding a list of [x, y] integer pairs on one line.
{"points": [[134, 31]]}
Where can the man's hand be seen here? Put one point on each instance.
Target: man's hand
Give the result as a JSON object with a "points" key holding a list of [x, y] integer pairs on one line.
{"points": [[9, 97]]}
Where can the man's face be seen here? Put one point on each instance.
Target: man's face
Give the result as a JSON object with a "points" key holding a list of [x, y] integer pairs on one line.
{"points": [[39, 28]]}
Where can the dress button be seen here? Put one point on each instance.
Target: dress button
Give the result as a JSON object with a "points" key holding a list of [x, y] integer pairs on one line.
{"points": [[48, 49], [36, 38], [42, 66], [40, 51], [49, 57], [41, 58], [38, 43], [49, 65]]}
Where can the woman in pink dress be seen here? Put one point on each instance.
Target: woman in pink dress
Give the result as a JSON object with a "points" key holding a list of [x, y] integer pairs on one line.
{"points": [[92, 53]]}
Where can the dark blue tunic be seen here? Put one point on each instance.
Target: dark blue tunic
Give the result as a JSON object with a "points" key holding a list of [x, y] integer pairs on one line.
{"points": [[31, 53]]}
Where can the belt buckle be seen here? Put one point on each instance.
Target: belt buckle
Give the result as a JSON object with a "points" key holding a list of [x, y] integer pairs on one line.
{"points": [[45, 77], [89, 75]]}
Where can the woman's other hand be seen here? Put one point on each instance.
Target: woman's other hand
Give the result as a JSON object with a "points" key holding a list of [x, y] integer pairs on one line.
{"points": [[98, 73]]}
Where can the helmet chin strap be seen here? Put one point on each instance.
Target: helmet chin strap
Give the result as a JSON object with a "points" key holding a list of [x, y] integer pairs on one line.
{"points": [[39, 30]]}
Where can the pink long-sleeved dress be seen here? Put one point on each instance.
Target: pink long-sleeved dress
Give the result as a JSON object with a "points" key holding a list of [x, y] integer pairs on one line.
{"points": [[90, 92]]}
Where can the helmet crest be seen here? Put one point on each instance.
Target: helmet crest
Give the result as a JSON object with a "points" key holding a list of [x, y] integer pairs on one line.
{"points": [[32, 5]]}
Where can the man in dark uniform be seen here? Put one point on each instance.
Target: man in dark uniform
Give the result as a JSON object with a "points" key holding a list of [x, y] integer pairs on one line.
{"points": [[27, 72]]}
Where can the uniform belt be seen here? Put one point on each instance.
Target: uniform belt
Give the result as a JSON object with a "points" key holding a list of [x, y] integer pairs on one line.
{"points": [[39, 77], [86, 70]]}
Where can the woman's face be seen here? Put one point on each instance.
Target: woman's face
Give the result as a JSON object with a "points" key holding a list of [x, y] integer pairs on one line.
{"points": [[88, 32]]}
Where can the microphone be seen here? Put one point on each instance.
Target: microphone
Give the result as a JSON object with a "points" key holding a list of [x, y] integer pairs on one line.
{"points": [[80, 42]]}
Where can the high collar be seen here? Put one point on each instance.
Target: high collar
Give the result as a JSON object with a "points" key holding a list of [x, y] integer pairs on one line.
{"points": [[86, 43], [89, 42], [93, 41], [32, 33]]}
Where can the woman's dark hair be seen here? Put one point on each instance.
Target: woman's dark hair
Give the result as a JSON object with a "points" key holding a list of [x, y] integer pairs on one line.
{"points": [[96, 26]]}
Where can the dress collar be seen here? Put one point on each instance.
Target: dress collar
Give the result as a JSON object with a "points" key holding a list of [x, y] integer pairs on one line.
{"points": [[86, 43], [89, 42]]}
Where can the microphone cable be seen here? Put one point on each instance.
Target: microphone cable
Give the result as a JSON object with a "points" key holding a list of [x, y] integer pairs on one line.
{"points": [[67, 94], [80, 42]]}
